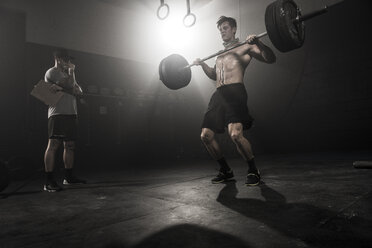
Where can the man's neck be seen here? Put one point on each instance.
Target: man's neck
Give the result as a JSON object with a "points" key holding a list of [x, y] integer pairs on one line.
{"points": [[59, 67], [231, 42]]}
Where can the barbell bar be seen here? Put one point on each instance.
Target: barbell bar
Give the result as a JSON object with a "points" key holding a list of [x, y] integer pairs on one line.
{"points": [[226, 50], [284, 25]]}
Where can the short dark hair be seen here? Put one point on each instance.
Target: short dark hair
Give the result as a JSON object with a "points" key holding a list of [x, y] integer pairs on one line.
{"points": [[230, 20], [62, 54]]}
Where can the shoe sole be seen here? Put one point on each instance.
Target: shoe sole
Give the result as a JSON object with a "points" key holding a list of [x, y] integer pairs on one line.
{"points": [[250, 184], [51, 190], [254, 184], [66, 183]]}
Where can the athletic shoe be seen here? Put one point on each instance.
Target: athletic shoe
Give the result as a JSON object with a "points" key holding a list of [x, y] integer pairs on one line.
{"points": [[253, 178], [223, 177], [73, 180], [52, 186]]}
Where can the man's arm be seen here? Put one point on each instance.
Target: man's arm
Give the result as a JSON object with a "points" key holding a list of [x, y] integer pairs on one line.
{"points": [[50, 77], [210, 72], [69, 84], [76, 89], [259, 50]]}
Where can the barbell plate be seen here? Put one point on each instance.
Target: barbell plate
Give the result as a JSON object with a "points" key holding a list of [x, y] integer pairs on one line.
{"points": [[293, 32], [172, 72], [271, 27], [285, 33]]}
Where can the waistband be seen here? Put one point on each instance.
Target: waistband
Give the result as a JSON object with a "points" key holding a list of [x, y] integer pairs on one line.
{"points": [[237, 85]]}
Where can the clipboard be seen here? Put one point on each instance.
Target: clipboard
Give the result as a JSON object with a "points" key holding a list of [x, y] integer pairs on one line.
{"points": [[43, 93]]}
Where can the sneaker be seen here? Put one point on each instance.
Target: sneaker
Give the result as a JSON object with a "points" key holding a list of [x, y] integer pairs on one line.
{"points": [[52, 186], [253, 178], [73, 180], [223, 177]]}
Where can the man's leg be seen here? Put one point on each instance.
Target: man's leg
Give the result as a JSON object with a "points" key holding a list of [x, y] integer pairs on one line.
{"points": [[209, 141], [68, 159], [49, 163], [245, 149], [207, 137], [242, 144], [69, 154]]}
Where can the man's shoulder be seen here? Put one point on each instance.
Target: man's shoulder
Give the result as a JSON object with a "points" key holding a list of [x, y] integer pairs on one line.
{"points": [[53, 74], [52, 70]]}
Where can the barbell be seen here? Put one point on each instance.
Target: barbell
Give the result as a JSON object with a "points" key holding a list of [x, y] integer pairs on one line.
{"points": [[284, 25]]}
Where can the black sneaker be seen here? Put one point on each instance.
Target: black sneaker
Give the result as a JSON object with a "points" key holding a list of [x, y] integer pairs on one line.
{"points": [[52, 186], [73, 180], [253, 178], [223, 177]]}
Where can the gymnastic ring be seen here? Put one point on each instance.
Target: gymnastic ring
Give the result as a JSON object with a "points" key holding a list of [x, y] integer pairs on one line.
{"points": [[158, 12], [192, 24]]}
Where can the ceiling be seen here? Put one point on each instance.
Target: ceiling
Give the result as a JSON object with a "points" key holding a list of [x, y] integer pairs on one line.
{"points": [[133, 4]]}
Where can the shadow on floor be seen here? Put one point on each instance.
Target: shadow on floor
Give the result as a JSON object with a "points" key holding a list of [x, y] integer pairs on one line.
{"points": [[299, 220], [186, 236]]}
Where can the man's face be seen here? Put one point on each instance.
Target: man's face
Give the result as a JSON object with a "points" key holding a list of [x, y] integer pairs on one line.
{"points": [[64, 63], [227, 32]]}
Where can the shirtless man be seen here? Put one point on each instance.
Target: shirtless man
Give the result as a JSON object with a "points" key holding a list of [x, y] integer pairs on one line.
{"points": [[228, 105]]}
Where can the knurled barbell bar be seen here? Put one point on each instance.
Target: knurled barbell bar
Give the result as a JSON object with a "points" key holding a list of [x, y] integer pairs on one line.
{"points": [[284, 25]]}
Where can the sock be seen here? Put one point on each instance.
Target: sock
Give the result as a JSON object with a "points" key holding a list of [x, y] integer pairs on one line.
{"points": [[251, 166], [224, 167], [49, 176], [68, 173]]}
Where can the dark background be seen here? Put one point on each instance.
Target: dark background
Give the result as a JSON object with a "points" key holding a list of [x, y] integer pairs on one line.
{"points": [[315, 99]]}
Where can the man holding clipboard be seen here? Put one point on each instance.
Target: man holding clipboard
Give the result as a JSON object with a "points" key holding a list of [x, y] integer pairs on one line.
{"points": [[62, 118]]}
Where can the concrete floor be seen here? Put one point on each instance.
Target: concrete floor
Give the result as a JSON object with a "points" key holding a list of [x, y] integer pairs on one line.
{"points": [[304, 201]]}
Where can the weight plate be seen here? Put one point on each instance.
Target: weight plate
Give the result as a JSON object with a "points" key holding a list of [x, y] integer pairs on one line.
{"points": [[172, 72]]}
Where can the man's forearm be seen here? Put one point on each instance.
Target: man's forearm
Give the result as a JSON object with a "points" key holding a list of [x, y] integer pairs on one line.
{"points": [[210, 72], [77, 89], [67, 83], [266, 53]]}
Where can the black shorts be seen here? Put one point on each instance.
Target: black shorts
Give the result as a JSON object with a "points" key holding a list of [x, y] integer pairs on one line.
{"points": [[62, 127], [228, 105]]}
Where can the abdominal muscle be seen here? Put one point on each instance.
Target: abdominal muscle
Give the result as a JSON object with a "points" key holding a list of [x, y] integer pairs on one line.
{"points": [[230, 69]]}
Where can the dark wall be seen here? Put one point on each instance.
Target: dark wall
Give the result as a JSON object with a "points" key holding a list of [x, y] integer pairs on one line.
{"points": [[318, 97], [12, 87], [333, 104]]}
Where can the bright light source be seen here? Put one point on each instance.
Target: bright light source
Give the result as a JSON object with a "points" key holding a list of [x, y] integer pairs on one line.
{"points": [[173, 35], [156, 39]]}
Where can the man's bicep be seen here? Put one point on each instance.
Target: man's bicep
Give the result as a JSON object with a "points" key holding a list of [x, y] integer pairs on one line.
{"points": [[51, 77], [256, 53], [48, 78]]}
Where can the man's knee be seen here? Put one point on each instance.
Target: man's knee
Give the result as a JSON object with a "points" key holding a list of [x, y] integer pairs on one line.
{"points": [[237, 136], [69, 145], [236, 133], [206, 136]]}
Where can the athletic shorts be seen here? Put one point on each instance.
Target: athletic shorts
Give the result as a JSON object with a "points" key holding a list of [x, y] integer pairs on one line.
{"points": [[228, 104], [62, 127]]}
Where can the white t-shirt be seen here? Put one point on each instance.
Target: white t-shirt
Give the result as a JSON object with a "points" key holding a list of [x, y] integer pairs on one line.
{"points": [[67, 104]]}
